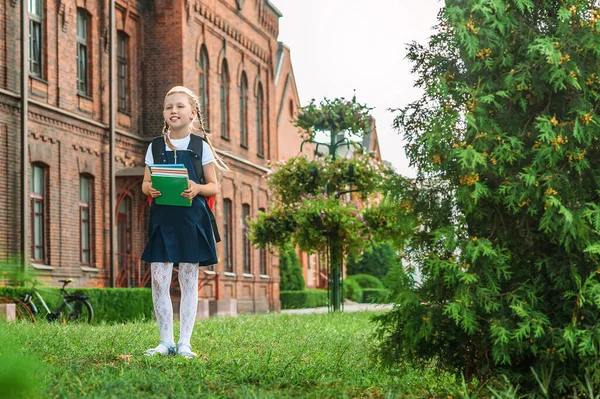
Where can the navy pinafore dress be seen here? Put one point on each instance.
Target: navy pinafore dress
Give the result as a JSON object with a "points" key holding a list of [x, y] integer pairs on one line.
{"points": [[178, 233]]}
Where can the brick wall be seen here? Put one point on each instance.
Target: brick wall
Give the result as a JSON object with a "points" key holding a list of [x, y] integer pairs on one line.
{"points": [[69, 131]]}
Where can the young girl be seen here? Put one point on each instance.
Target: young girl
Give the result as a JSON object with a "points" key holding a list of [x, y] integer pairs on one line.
{"points": [[180, 234]]}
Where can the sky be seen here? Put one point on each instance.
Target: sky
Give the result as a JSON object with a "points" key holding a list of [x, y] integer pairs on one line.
{"points": [[338, 46]]}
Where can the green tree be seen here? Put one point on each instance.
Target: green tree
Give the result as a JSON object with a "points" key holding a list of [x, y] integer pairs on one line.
{"points": [[505, 139], [310, 204], [376, 261], [290, 270]]}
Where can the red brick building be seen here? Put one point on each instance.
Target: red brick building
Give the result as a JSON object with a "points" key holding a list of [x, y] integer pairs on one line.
{"points": [[226, 50]]}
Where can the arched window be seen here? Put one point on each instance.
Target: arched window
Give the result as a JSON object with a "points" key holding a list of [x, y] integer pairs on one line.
{"points": [[262, 256], [244, 111], [86, 217], [123, 71], [227, 235], [247, 250], [38, 193], [203, 66], [36, 37], [225, 101], [259, 121], [83, 53]]}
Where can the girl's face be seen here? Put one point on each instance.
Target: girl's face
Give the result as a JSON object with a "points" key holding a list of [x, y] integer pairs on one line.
{"points": [[178, 111]]}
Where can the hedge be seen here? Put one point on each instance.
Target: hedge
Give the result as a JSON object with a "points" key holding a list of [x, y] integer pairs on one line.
{"points": [[366, 280], [352, 290], [111, 305], [303, 299], [375, 295]]}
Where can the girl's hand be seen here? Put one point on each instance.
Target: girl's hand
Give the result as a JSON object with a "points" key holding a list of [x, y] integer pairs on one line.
{"points": [[192, 191], [154, 193]]}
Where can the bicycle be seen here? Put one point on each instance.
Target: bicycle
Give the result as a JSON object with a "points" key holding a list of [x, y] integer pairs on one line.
{"points": [[72, 308]]}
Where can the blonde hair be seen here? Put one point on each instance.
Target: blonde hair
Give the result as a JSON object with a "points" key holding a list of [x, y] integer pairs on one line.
{"points": [[197, 124]]}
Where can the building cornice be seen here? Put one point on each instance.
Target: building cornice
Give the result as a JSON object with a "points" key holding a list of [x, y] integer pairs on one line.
{"points": [[211, 16]]}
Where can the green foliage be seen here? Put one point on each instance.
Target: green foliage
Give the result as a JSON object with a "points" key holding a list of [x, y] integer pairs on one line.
{"points": [[352, 290], [328, 204], [111, 305], [117, 305], [338, 115], [366, 280], [506, 142], [303, 299], [303, 214], [376, 261], [290, 271], [375, 295]]}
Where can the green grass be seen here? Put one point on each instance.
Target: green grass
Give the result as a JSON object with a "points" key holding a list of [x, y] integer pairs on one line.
{"points": [[261, 356]]}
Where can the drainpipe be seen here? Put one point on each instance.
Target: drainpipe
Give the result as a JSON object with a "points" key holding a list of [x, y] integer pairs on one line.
{"points": [[111, 135], [24, 131]]}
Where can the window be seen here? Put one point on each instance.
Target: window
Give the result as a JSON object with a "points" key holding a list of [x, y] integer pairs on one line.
{"points": [[291, 109], [262, 256], [37, 197], [36, 38], [244, 111], [247, 245], [259, 121], [224, 101], [227, 235], [82, 51], [85, 218], [122, 71], [204, 84]]}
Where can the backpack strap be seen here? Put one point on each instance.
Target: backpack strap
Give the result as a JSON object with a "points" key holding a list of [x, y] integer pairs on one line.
{"points": [[196, 144], [158, 147]]}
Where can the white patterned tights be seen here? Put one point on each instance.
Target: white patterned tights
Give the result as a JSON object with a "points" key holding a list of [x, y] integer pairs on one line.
{"points": [[163, 307]]}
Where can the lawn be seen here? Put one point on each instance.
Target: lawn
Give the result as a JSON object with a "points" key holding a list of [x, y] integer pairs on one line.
{"points": [[258, 356]]}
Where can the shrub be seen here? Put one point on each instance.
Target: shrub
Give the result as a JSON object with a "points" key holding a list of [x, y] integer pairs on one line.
{"points": [[303, 299], [352, 290], [375, 295], [113, 305], [506, 142], [290, 270], [366, 281], [376, 262]]}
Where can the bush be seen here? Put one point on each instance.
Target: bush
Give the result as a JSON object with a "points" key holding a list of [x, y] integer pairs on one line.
{"points": [[113, 305], [366, 281], [290, 270], [352, 290], [303, 299], [376, 262], [506, 143], [375, 295]]}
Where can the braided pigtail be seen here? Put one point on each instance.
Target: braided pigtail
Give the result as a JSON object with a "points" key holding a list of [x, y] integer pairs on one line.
{"points": [[200, 126], [166, 135]]}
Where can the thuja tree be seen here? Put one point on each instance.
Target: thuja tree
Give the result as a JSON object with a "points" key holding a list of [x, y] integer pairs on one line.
{"points": [[505, 139], [310, 202]]}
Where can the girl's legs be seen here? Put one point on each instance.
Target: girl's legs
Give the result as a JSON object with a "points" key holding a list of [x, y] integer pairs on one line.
{"points": [[188, 282], [163, 307]]}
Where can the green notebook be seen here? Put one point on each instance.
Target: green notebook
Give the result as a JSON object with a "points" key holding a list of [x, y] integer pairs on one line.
{"points": [[171, 187]]}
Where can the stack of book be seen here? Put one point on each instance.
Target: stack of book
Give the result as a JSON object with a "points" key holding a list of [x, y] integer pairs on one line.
{"points": [[171, 180]]}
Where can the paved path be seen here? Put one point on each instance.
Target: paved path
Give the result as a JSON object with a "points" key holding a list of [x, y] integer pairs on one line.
{"points": [[359, 307]]}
